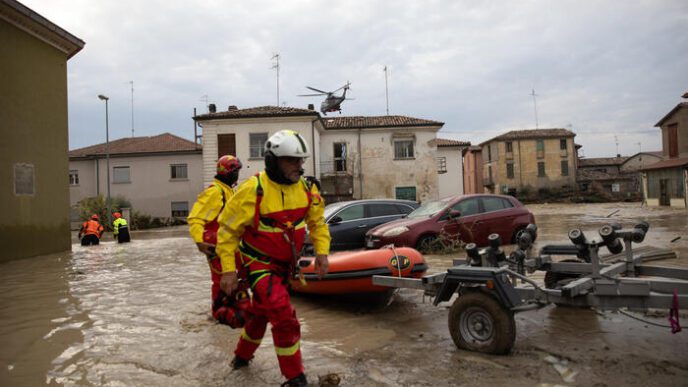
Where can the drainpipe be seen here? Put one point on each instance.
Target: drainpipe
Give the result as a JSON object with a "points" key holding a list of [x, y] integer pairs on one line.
{"points": [[313, 140], [520, 167], [360, 165], [97, 177]]}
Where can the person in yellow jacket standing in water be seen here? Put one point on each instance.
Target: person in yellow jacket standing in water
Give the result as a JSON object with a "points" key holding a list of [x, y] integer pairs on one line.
{"points": [[266, 221], [120, 229], [203, 217]]}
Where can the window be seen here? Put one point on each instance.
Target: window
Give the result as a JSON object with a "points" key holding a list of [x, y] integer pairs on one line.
{"points": [[257, 143], [23, 179], [121, 175], [509, 147], [74, 177], [180, 209], [403, 149], [541, 169], [495, 204], [564, 167], [562, 144], [467, 207], [405, 193], [540, 148], [382, 209], [441, 165], [178, 171], [489, 152], [351, 212], [226, 144], [340, 157], [509, 170]]}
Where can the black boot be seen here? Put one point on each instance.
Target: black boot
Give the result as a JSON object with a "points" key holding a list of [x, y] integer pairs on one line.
{"points": [[299, 381], [238, 363]]}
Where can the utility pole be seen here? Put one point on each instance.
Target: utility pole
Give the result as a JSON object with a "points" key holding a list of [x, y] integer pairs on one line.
{"points": [[616, 140], [386, 90], [535, 107], [132, 108], [276, 66]]}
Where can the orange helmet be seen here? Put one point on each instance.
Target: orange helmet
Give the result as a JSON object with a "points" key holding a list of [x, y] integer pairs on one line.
{"points": [[228, 164], [95, 217], [117, 215]]}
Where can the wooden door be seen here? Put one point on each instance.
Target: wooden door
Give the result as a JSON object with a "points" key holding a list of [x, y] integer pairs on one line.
{"points": [[664, 192]]}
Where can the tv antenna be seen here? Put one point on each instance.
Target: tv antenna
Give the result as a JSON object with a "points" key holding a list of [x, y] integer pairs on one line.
{"points": [[276, 66], [535, 107], [132, 107], [386, 90], [204, 98], [616, 140]]}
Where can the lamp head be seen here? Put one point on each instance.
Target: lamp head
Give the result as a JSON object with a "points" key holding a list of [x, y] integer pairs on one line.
{"points": [[102, 97]]}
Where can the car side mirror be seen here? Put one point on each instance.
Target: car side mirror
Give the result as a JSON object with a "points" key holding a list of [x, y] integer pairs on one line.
{"points": [[335, 220]]}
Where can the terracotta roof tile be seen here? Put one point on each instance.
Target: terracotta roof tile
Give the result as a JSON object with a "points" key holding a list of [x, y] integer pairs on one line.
{"points": [[363, 122], [443, 142], [670, 163], [260, 111], [600, 161], [525, 134], [162, 143]]}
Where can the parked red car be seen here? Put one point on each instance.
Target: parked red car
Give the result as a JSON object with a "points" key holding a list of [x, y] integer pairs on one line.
{"points": [[472, 218]]}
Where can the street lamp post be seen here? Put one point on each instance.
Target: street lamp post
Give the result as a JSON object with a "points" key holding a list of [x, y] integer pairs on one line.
{"points": [[107, 157]]}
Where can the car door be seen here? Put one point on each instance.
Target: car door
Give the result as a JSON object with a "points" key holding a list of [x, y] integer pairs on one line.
{"points": [[344, 227], [376, 214], [468, 226], [498, 217]]}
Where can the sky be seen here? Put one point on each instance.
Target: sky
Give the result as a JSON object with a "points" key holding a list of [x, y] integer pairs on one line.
{"points": [[607, 70]]}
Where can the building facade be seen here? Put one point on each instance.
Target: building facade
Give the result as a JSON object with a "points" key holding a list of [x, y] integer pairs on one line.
{"points": [[450, 166], [34, 195], [159, 175], [665, 183], [529, 159], [354, 157]]}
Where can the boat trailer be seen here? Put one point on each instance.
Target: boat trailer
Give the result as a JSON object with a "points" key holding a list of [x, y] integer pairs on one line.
{"points": [[492, 287]]}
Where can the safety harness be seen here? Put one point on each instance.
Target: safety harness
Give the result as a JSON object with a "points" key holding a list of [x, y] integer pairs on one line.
{"points": [[288, 233]]}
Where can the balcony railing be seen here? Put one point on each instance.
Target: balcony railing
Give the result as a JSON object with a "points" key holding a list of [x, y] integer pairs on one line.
{"points": [[336, 167]]}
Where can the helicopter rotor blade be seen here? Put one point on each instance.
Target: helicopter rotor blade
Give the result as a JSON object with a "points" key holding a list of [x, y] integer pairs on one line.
{"points": [[319, 91], [310, 95]]}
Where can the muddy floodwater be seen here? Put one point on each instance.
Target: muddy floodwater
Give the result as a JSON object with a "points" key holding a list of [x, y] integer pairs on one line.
{"points": [[138, 315]]}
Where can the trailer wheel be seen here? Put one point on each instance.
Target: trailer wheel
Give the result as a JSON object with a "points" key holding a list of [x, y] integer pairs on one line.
{"points": [[478, 322], [557, 280]]}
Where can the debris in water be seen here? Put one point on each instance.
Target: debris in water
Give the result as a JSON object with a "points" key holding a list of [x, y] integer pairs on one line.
{"points": [[329, 380], [561, 366]]}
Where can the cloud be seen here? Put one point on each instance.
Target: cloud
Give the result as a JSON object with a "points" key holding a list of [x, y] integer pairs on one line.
{"points": [[602, 69]]}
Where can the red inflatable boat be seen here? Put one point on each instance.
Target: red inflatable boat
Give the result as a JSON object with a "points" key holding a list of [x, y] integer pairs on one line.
{"points": [[352, 271]]}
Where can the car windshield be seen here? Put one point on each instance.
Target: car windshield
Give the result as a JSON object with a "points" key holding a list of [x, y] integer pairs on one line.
{"points": [[430, 208], [332, 208]]}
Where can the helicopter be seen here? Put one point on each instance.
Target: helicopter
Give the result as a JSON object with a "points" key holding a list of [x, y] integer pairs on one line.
{"points": [[332, 102]]}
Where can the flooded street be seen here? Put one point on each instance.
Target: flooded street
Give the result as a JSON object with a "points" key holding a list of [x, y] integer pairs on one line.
{"points": [[138, 314]]}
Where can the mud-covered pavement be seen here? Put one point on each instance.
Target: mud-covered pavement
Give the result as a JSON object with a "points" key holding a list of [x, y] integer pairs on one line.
{"points": [[137, 314]]}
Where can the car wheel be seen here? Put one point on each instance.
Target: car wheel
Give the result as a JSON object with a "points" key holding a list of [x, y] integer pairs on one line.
{"points": [[426, 243], [480, 323]]}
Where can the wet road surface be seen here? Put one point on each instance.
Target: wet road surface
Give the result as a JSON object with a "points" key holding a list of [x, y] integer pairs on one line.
{"points": [[138, 314]]}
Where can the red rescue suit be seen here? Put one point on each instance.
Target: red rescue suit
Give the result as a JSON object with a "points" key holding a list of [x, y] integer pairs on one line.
{"points": [[270, 221]]}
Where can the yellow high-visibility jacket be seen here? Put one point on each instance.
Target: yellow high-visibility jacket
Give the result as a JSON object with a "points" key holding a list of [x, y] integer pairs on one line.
{"points": [[239, 217], [120, 222], [207, 208]]}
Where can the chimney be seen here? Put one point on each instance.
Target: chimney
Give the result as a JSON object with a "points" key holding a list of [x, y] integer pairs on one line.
{"points": [[211, 108], [311, 107], [232, 107]]}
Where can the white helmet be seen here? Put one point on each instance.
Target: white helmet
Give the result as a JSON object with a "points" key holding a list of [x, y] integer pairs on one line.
{"points": [[287, 143]]}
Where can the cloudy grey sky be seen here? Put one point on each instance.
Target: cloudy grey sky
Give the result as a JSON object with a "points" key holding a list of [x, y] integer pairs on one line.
{"points": [[600, 68]]}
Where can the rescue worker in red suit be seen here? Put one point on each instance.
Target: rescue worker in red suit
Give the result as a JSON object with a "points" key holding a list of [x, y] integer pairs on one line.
{"points": [[266, 221], [203, 217], [92, 230]]}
